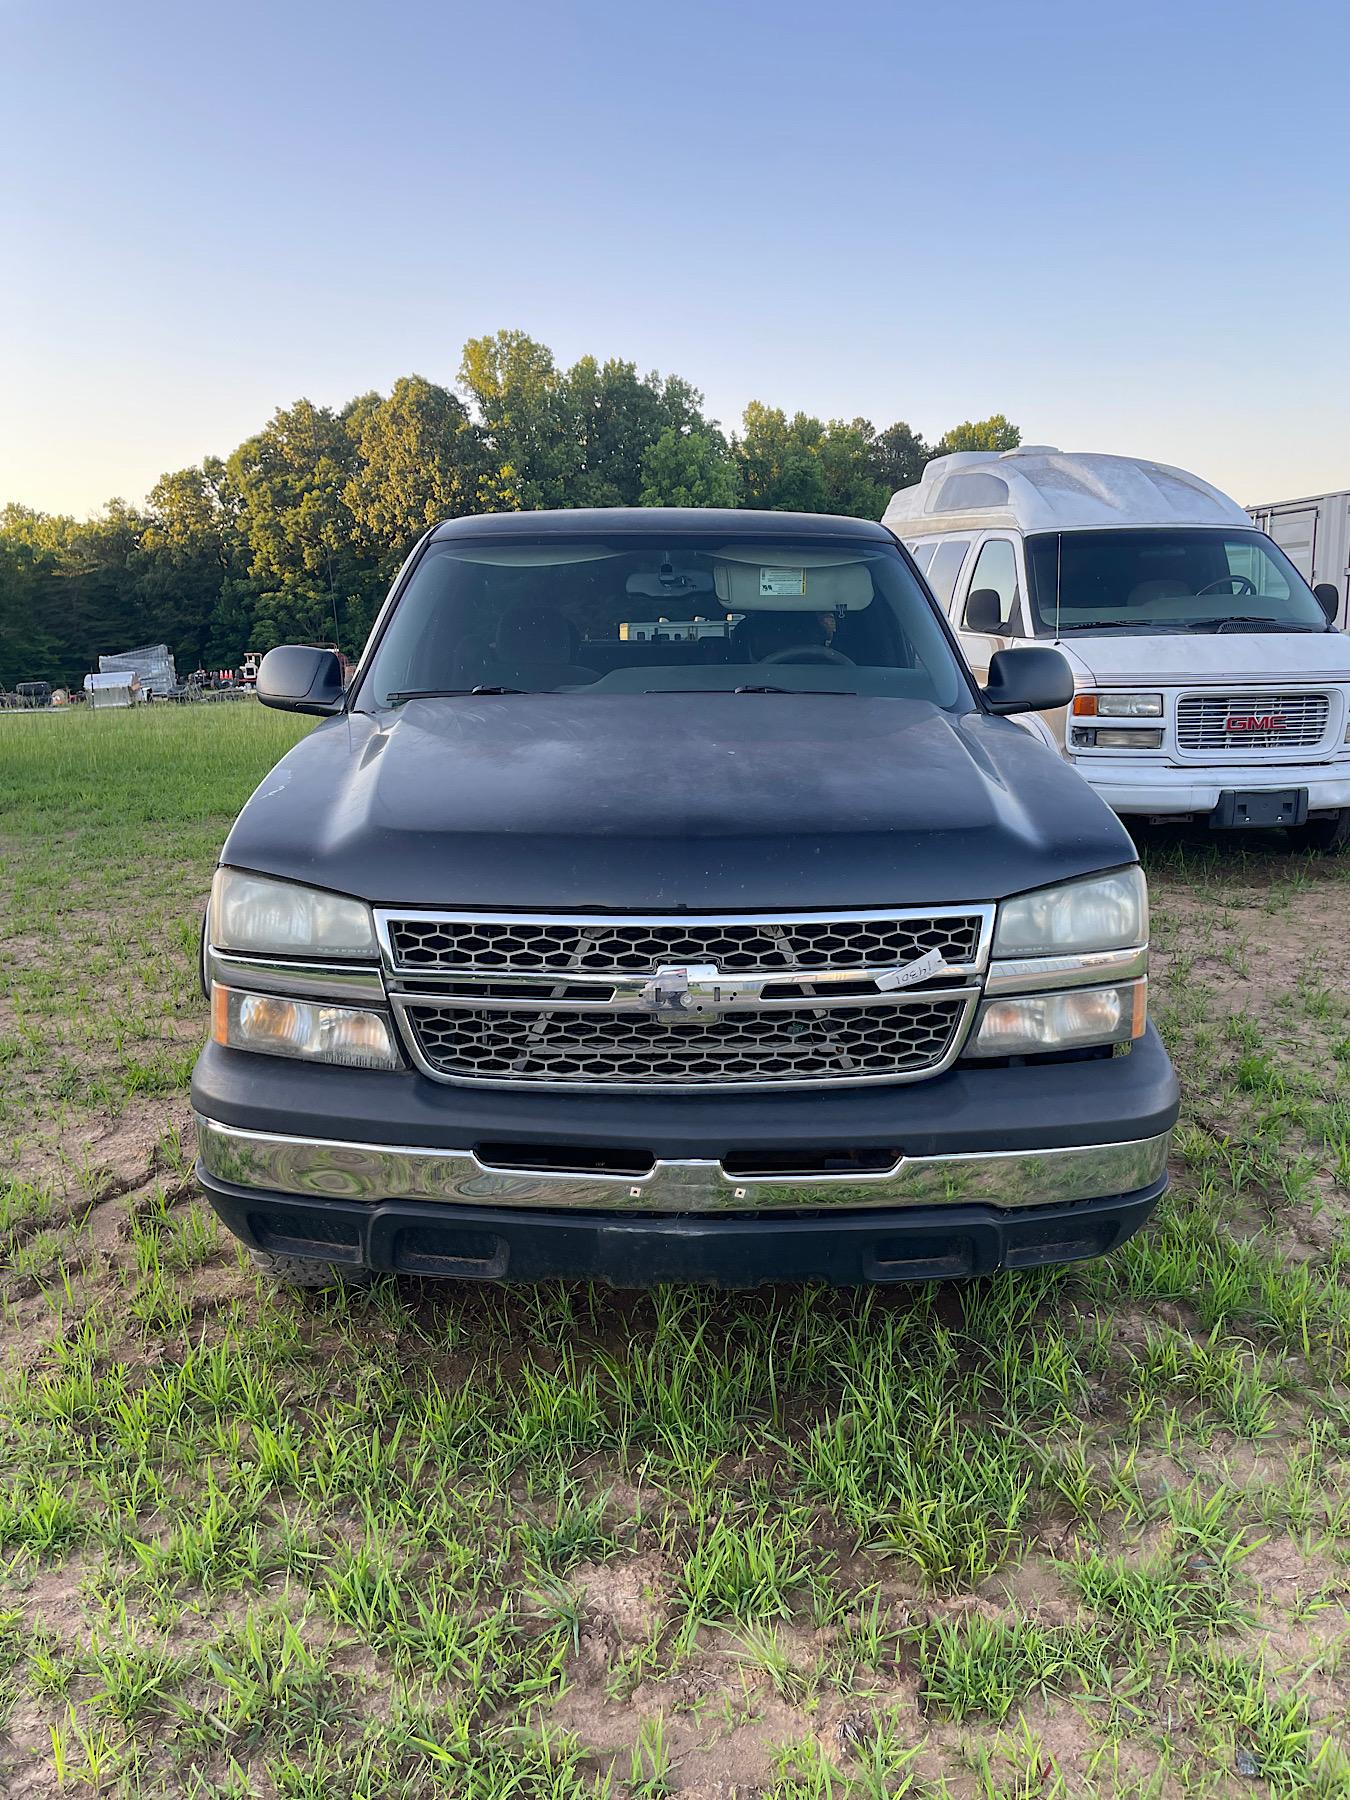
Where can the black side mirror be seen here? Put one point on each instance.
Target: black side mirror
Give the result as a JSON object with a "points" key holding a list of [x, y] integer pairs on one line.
{"points": [[1035, 679], [1330, 596], [984, 611], [298, 678]]}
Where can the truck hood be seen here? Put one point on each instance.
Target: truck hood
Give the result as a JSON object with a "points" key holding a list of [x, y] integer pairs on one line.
{"points": [[672, 802], [1203, 659]]}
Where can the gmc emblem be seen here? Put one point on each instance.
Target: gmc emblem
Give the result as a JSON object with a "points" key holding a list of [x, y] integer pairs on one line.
{"points": [[1255, 722]]}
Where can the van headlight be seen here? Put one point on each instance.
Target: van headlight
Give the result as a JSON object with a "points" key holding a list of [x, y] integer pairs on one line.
{"points": [[1118, 705], [258, 915], [1104, 912]]}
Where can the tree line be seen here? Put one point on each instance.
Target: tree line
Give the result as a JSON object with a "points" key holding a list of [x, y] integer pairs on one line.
{"points": [[296, 534]]}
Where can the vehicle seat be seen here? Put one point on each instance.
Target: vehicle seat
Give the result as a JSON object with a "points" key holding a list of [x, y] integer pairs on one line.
{"points": [[1166, 587], [472, 654], [535, 647], [761, 634]]}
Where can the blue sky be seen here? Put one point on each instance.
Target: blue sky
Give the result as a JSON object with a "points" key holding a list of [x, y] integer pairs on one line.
{"points": [[1126, 227]]}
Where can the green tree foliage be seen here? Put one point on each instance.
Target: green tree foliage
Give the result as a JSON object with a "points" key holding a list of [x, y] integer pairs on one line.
{"points": [[79, 583], [419, 459], [296, 534], [993, 433], [293, 481], [28, 641], [798, 464], [896, 457], [845, 454], [691, 468], [194, 556], [513, 384]]}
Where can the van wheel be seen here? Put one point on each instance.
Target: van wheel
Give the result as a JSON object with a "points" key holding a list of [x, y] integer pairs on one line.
{"points": [[1329, 834], [308, 1271]]}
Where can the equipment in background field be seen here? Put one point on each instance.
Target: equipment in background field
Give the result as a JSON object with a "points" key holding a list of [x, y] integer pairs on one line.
{"points": [[113, 687], [152, 664]]}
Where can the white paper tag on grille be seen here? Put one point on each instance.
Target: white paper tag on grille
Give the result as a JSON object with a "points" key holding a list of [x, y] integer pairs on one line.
{"points": [[923, 969]]}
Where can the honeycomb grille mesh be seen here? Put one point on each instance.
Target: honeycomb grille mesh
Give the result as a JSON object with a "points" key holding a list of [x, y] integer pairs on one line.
{"points": [[526, 947], [612, 1048]]}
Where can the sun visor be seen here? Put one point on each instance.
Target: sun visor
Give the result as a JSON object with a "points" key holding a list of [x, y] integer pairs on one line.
{"points": [[527, 556], [785, 578]]}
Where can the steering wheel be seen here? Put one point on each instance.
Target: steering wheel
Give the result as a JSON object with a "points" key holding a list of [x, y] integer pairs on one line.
{"points": [[809, 653], [1236, 584]]}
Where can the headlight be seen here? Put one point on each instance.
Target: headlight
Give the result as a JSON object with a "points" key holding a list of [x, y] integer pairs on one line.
{"points": [[1135, 737], [1105, 912], [1032, 1024], [1118, 705], [277, 918], [301, 1028]]}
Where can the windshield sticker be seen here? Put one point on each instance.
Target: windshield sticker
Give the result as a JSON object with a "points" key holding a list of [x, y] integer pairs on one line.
{"points": [[782, 581], [924, 968]]}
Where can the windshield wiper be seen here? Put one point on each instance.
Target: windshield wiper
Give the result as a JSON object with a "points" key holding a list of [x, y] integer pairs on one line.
{"points": [[1161, 627], [450, 693], [1149, 625], [846, 693]]}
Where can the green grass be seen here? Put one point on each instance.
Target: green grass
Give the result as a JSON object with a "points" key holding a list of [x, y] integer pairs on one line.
{"points": [[1074, 1532]]}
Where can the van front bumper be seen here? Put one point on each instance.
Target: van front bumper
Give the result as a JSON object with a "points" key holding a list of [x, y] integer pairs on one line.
{"points": [[1129, 786], [976, 1170]]}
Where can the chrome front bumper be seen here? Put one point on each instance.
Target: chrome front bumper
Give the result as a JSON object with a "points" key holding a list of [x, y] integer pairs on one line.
{"points": [[333, 1170]]}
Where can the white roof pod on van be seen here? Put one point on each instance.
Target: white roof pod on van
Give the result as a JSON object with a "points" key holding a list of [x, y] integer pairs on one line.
{"points": [[1039, 488]]}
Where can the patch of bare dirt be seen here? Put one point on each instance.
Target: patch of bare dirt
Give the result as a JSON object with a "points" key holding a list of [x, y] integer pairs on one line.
{"points": [[628, 1592]]}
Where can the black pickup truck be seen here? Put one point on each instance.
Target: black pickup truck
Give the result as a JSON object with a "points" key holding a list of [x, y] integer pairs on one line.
{"points": [[662, 901]]}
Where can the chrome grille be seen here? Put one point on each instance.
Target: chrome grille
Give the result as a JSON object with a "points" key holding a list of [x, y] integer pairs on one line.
{"points": [[630, 1049], [576, 1001], [534, 947], [1235, 721]]}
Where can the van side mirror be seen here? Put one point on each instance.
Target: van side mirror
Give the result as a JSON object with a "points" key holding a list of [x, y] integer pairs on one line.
{"points": [[984, 611], [1330, 596], [299, 678], [1033, 679]]}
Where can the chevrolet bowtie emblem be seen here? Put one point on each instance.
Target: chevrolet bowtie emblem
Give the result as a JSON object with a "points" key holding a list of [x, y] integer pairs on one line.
{"points": [[684, 991]]}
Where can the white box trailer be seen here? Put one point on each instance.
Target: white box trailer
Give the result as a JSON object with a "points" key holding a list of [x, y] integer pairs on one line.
{"points": [[1315, 535], [113, 687]]}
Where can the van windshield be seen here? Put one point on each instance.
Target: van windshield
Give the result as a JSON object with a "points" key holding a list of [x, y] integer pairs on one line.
{"points": [[662, 614], [1167, 579]]}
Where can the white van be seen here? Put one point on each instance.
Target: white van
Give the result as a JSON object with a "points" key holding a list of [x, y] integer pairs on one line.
{"points": [[1211, 681]]}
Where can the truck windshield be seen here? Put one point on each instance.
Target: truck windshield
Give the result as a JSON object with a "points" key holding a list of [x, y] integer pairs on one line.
{"points": [[636, 614], [1167, 579]]}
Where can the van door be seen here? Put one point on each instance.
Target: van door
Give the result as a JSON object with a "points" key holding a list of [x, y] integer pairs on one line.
{"points": [[921, 549], [949, 553], [996, 570]]}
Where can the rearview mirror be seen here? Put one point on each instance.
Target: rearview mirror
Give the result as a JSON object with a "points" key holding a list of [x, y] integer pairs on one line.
{"points": [[299, 678], [1034, 679], [1330, 596], [984, 611]]}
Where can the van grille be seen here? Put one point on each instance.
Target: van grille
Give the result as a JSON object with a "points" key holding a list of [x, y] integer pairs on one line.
{"points": [[574, 1002], [1240, 722]]}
